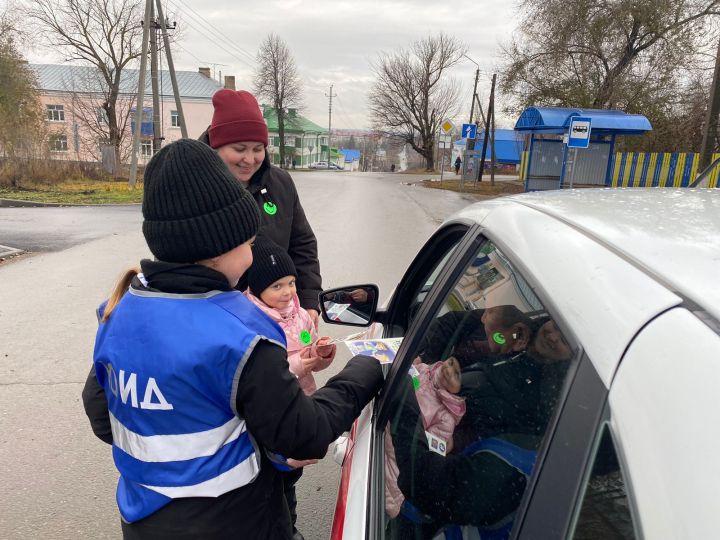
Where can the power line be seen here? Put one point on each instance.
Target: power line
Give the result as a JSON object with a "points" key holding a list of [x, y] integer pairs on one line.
{"points": [[204, 33], [213, 30]]}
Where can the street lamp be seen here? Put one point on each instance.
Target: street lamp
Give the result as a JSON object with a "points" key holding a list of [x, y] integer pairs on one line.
{"points": [[477, 75]]}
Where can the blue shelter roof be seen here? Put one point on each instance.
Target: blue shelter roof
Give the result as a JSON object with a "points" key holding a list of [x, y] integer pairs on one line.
{"points": [[557, 120], [350, 155], [508, 145]]}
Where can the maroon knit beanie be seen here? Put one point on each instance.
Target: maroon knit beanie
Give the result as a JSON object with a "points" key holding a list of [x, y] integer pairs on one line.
{"points": [[237, 118]]}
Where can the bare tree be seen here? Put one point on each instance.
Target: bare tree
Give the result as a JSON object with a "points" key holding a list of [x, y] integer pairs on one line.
{"points": [[277, 80], [22, 126], [412, 96], [622, 54], [104, 33]]}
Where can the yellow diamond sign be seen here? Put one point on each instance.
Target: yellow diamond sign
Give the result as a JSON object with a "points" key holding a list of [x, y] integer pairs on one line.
{"points": [[447, 126]]}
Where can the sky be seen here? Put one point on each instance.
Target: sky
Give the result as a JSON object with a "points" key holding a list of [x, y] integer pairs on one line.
{"points": [[333, 43]]}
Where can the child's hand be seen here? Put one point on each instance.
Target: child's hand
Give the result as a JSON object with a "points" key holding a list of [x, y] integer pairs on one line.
{"points": [[324, 347], [311, 363]]}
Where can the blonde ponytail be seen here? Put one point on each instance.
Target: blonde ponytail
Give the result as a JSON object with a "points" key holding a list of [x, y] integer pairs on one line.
{"points": [[119, 291]]}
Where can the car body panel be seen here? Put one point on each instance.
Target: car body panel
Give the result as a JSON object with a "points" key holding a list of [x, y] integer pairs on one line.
{"points": [[617, 268], [666, 391], [681, 248], [353, 490], [614, 300]]}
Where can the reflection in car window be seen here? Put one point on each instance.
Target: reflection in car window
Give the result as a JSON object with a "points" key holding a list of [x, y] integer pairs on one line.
{"points": [[426, 284], [605, 512], [466, 426]]}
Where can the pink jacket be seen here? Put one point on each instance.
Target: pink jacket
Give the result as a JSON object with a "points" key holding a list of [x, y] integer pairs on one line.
{"points": [[441, 412], [293, 321]]}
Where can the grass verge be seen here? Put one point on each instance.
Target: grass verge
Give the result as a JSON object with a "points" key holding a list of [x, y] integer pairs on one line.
{"points": [[483, 189], [76, 192]]}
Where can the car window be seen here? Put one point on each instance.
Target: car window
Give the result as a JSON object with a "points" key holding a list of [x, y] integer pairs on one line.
{"points": [[421, 276], [605, 511], [466, 424]]}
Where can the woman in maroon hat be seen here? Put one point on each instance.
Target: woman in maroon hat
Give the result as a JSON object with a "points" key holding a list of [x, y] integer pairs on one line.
{"points": [[239, 134]]}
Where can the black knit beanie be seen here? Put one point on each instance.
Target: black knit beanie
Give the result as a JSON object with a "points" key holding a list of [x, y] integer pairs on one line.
{"points": [[270, 263], [193, 206]]}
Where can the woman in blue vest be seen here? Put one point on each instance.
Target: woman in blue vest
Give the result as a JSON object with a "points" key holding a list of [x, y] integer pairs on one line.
{"points": [[190, 381]]}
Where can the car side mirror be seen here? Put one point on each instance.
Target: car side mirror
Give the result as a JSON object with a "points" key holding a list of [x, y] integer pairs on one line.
{"points": [[355, 305]]}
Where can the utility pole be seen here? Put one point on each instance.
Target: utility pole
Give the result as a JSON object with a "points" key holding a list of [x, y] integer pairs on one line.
{"points": [[147, 23], [171, 69], [490, 116], [470, 143], [141, 93], [711, 118], [330, 96], [157, 139]]}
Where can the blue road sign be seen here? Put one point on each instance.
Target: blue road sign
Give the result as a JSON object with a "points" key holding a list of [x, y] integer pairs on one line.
{"points": [[579, 132], [469, 131]]}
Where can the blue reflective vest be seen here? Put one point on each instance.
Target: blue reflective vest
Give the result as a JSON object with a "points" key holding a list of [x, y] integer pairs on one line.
{"points": [[518, 458], [170, 366]]}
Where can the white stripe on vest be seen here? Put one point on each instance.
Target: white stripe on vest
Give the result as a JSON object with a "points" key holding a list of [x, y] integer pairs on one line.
{"points": [[240, 475], [163, 448]]}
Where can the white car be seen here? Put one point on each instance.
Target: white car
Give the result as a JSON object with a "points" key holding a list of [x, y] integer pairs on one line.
{"points": [[586, 327]]}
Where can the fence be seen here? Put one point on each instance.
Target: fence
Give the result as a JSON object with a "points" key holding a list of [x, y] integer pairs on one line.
{"points": [[651, 169]]}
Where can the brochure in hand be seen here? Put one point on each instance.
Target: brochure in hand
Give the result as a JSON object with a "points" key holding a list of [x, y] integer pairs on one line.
{"points": [[382, 349]]}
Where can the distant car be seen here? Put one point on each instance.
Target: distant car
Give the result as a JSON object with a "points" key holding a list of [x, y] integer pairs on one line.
{"points": [[586, 325], [325, 165]]}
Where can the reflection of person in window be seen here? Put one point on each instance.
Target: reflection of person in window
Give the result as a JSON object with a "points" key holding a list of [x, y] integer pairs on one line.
{"points": [[472, 335], [442, 409], [512, 400]]}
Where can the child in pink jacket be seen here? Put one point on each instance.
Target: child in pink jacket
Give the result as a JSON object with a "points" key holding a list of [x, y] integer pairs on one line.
{"points": [[271, 281], [436, 388]]}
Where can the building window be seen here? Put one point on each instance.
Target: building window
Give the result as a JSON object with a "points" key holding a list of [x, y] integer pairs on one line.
{"points": [[146, 148], [58, 143], [289, 140], [102, 118], [174, 119], [56, 113]]}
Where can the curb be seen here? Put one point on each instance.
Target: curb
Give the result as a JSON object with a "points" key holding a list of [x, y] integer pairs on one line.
{"points": [[17, 203]]}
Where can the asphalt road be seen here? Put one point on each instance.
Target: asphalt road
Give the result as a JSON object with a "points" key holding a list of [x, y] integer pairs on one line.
{"points": [[58, 480]]}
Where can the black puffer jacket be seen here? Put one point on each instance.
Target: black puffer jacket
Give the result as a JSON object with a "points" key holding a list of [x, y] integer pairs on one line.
{"points": [[288, 227], [278, 414]]}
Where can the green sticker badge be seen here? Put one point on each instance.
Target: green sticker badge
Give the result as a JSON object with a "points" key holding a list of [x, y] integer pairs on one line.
{"points": [[305, 337], [414, 377], [270, 208], [499, 338]]}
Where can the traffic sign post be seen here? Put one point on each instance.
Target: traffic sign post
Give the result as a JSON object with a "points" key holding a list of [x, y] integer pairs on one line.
{"points": [[579, 132], [578, 137], [469, 131]]}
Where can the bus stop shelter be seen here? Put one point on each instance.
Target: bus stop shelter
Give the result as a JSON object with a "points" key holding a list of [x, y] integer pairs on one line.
{"points": [[548, 164]]}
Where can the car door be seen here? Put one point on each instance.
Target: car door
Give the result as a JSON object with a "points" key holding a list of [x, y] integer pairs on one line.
{"points": [[437, 470], [433, 261]]}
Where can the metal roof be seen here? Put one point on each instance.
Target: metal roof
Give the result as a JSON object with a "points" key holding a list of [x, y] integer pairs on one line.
{"points": [[557, 120], [87, 80], [508, 145], [294, 123], [350, 154]]}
